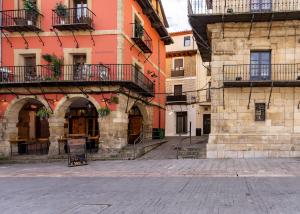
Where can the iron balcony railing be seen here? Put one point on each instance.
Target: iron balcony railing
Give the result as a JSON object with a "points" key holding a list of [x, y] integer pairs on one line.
{"points": [[80, 18], [177, 72], [261, 73], [21, 20], [102, 73], [141, 38], [206, 7], [176, 99]]}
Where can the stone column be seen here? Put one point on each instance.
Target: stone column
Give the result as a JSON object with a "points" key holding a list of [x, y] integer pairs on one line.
{"points": [[113, 130], [56, 126], [9, 131]]}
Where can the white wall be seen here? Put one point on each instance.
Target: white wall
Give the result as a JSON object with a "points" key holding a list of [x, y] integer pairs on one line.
{"points": [[171, 118], [178, 44]]}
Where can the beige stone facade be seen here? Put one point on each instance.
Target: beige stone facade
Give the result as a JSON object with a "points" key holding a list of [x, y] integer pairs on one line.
{"points": [[235, 132], [194, 77]]}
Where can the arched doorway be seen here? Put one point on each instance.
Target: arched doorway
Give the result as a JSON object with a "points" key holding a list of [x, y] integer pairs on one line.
{"points": [[81, 121], [135, 124], [33, 131]]}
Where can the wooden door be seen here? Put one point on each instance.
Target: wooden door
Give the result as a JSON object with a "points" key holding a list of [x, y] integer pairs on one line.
{"points": [[78, 125], [206, 123]]}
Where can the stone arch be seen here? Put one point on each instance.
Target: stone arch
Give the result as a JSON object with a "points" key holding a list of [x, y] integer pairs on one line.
{"points": [[65, 103], [12, 113], [58, 118], [11, 119], [146, 112]]}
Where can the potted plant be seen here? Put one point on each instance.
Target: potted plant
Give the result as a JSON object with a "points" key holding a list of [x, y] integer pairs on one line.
{"points": [[103, 112], [62, 12], [31, 12], [55, 63], [43, 113]]}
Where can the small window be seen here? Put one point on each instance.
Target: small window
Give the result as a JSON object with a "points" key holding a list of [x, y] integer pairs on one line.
{"points": [[260, 111], [178, 64], [187, 41], [177, 90]]}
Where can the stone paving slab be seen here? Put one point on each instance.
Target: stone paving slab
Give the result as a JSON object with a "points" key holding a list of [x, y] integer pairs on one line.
{"points": [[160, 168]]}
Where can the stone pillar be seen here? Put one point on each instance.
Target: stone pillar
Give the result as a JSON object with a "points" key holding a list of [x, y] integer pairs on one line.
{"points": [[9, 131], [114, 130], [56, 126]]}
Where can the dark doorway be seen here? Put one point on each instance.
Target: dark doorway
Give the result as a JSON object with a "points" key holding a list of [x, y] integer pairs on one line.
{"points": [[181, 122], [135, 124], [206, 123]]}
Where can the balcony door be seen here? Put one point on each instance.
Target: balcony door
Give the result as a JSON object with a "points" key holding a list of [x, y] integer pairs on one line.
{"points": [[30, 68], [79, 68], [261, 5], [177, 90], [260, 66], [80, 10]]}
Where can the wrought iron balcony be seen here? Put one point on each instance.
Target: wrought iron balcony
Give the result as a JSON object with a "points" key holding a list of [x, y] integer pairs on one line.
{"points": [[261, 75], [21, 21], [204, 12], [176, 99], [210, 7], [81, 18], [177, 72], [142, 39], [89, 74]]}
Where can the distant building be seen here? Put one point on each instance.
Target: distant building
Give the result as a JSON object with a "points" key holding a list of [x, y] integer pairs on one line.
{"points": [[185, 75]]}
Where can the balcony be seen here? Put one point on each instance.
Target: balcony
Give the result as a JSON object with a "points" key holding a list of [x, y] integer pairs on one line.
{"points": [[73, 19], [177, 72], [125, 75], [21, 21], [204, 12], [142, 39], [259, 75], [176, 99]]}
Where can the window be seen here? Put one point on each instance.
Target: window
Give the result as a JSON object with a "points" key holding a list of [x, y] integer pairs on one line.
{"points": [[181, 122], [261, 5], [178, 64], [187, 41], [138, 27], [177, 90], [260, 68], [260, 111]]}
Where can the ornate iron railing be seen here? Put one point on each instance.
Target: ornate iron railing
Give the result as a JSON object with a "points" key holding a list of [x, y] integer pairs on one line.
{"points": [[261, 72], [141, 38], [177, 72], [21, 20], [206, 7], [114, 73], [74, 18]]}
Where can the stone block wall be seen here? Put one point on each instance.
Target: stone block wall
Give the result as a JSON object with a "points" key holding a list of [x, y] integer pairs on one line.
{"points": [[235, 133]]}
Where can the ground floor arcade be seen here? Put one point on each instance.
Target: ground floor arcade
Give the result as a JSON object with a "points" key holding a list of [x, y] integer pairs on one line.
{"points": [[43, 124]]}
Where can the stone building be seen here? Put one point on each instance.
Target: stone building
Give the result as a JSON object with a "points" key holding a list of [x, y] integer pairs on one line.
{"points": [[80, 68], [253, 50], [187, 109]]}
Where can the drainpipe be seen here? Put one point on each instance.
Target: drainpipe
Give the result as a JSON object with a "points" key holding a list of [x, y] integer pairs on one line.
{"points": [[159, 116]]}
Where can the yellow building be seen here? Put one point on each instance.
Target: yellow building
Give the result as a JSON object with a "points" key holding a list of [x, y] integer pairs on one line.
{"points": [[253, 50], [188, 110]]}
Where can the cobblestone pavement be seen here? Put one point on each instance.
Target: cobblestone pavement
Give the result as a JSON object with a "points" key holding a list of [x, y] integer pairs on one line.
{"points": [[168, 150], [153, 186]]}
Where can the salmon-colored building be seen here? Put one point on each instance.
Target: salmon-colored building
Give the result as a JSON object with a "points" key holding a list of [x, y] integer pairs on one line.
{"points": [[90, 69]]}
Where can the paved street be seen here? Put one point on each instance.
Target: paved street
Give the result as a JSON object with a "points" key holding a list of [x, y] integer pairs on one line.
{"points": [[153, 186]]}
